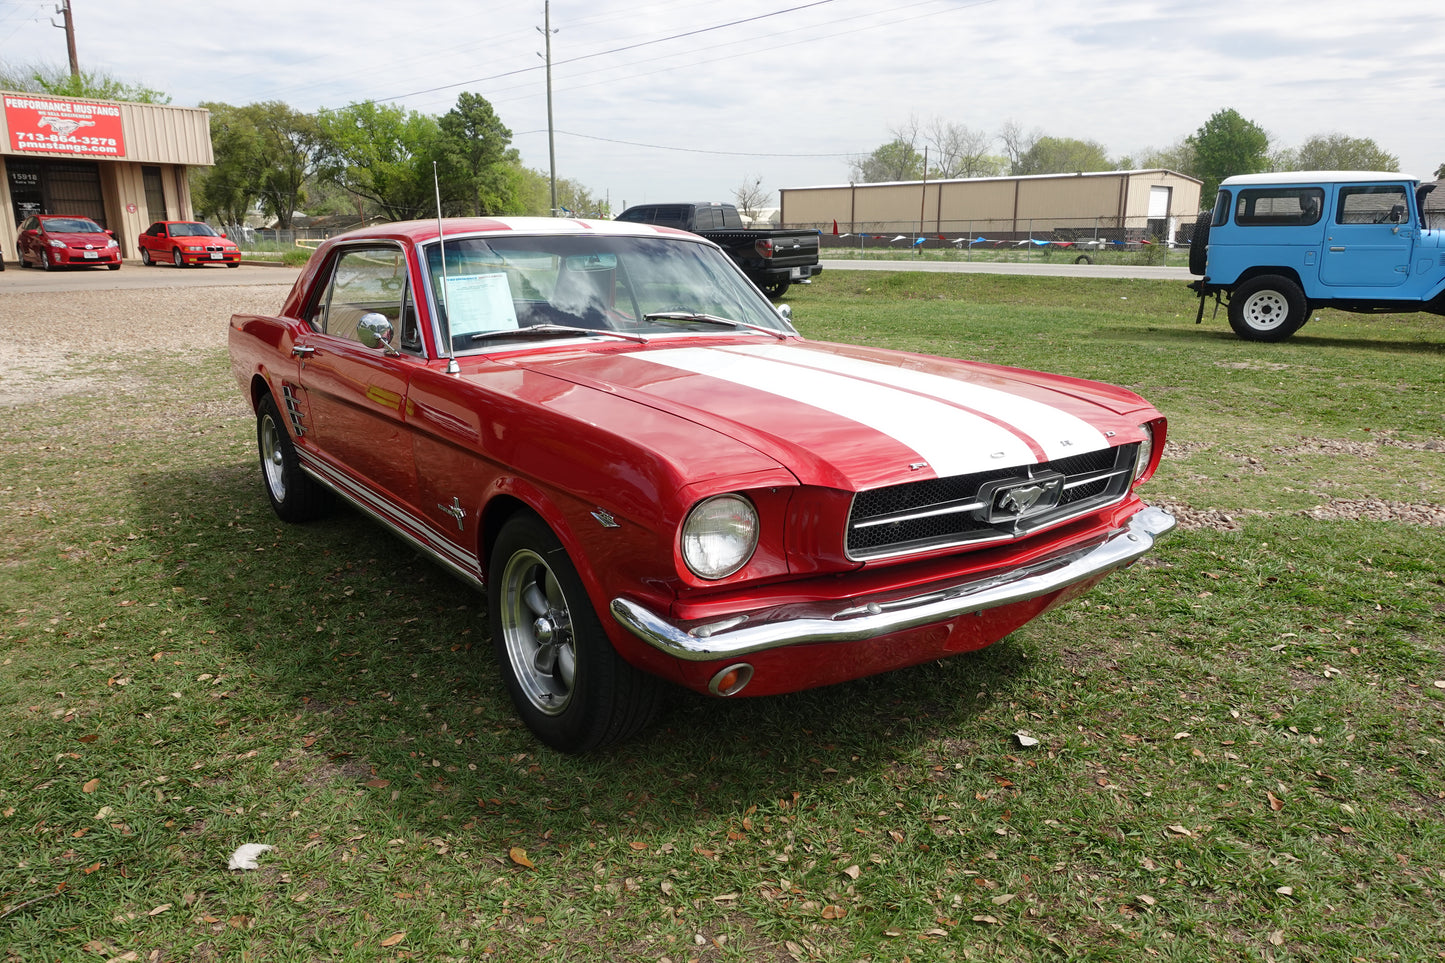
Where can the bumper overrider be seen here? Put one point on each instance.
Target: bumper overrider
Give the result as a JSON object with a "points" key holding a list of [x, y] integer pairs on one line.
{"points": [[856, 620]]}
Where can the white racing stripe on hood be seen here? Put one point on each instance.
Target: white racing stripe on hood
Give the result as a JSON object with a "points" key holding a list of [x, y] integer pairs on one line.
{"points": [[1059, 433], [950, 440]]}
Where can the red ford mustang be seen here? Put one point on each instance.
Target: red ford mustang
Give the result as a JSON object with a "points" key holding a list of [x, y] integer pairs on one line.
{"points": [[59, 240], [185, 243], [652, 475]]}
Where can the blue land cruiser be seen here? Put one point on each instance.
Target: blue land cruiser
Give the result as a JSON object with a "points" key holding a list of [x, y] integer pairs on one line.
{"points": [[1278, 246]]}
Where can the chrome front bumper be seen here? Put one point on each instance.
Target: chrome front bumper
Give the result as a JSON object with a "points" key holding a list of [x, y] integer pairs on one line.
{"points": [[852, 622]]}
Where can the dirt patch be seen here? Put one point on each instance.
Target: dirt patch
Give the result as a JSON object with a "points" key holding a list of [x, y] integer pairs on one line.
{"points": [[51, 342]]}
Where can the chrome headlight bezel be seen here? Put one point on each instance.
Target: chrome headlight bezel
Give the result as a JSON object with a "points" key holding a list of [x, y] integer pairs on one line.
{"points": [[1145, 454], [719, 536]]}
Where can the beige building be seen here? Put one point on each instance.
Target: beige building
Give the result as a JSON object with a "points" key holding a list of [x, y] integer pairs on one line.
{"points": [[123, 165], [1111, 204]]}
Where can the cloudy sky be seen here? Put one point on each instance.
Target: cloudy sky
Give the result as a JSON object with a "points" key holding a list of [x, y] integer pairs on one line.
{"points": [[687, 99]]}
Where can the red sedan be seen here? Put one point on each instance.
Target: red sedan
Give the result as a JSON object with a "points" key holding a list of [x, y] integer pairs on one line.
{"points": [[59, 240], [186, 243]]}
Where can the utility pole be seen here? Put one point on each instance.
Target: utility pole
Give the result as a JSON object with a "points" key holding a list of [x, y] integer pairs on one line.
{"points": [[63, 8], [547, 32]]}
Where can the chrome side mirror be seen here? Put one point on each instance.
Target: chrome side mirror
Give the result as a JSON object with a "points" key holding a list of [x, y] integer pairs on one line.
{"points": [[786, 313], [374, 331]]}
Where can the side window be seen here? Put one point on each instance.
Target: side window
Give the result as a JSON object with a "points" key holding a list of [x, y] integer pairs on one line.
{"points": [[364, 280], [1279, 207], [1221, 208], [1375, 204]]}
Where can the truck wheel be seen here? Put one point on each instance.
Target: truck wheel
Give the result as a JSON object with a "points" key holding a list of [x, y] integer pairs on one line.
{"points": [[776, 289], [1267, 308], [1199, 243], [568, 684]]}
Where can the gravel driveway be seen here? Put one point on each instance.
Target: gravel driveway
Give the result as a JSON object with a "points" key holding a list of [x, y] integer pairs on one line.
{"points": [[45, 335]]}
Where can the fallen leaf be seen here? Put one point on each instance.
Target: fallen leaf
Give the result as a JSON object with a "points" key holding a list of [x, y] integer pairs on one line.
{"points": [[1285, 890], [394, 939], [91, 786], [893, 931], [1277, 937], [1180, 830], [1146, 900], [853, 872], [985, 919], [160, 909], [638, 845], [1026, 740], [831, 912], [1440, 683], [519, 856], [1275, 802], [377, 783], [1001, 900]]}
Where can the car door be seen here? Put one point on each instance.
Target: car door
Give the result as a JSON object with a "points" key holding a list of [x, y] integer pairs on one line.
{"points": [[1370, 237], [356, 395]]}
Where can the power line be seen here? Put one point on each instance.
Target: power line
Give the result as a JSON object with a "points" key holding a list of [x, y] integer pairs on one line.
{"points": [[684, 150]]}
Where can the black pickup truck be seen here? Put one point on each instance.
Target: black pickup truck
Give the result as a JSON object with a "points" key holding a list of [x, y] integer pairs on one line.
{"points": [[771, 258]]}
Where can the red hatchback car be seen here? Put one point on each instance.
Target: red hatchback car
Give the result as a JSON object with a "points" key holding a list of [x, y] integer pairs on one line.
{"points": [[187, 243], [60, 240]]}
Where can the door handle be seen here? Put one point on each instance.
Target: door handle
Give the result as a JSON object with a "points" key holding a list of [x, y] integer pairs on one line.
{"points": [[302, 350], [1341, 248]]}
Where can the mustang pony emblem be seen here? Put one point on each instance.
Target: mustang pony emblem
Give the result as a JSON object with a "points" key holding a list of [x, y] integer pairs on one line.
{"points": [[1014, 500], [64, 126]]}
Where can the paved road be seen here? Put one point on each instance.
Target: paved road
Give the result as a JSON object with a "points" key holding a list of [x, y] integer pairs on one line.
{"points": [[133, 275], [1040, 269]]}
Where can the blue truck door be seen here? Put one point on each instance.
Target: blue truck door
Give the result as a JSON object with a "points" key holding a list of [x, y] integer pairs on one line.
{"points": [[1369, 238]]}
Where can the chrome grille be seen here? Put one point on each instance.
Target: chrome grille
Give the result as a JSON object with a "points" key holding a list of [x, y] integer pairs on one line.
{"points": [[942, 512]]}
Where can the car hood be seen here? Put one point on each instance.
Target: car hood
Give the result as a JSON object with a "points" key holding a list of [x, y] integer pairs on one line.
{"points": [[857, 418], [75, 239]]}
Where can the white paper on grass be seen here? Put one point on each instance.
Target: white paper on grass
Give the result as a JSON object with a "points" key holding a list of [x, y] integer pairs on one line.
{"points": [[245, 856]]}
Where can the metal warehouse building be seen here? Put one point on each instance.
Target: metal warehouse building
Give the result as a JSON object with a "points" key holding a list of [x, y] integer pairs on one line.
{"points": [[123, 165], [1118, 205]]}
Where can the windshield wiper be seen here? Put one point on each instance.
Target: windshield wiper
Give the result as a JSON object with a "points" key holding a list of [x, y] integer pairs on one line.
{"points": [[698, 318], [557, 329]]}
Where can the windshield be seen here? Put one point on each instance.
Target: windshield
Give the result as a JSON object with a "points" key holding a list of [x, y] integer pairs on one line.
{"points": [[595, 282], [71, 225], [192, 229]]}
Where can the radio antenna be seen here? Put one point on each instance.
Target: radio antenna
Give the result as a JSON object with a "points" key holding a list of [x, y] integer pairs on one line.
{"points": [[452, 367]]}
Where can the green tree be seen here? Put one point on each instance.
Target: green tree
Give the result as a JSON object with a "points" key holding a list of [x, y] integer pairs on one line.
{"points": [[229, 189], [57, 81], [1063, 155], [1226, 145], [386, 155], [475, 154], [1337, 152], [894, 161]]}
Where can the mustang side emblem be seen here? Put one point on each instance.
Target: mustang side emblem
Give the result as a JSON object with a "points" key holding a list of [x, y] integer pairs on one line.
{"points": [[455, 510]]}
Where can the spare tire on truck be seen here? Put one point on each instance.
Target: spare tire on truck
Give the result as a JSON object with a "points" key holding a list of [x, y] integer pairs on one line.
{"points": [[1199, 243]]}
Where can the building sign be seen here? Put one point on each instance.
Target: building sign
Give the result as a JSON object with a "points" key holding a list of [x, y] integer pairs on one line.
{"points": [[41, 125]]}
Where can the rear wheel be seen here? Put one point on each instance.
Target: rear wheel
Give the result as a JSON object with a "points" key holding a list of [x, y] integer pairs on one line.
{"points": [[568, 684], [1268, 308], [145, 256], [776, 288], [295, 496]]}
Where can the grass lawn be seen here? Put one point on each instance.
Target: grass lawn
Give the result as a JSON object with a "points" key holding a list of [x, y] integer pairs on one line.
{"points": [[1240, 740]]}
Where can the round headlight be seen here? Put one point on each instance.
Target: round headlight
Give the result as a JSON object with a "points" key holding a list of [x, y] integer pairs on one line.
{"points": [[1146, 451], [719, 536]]}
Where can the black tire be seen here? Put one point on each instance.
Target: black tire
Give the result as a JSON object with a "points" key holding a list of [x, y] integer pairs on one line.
{"points": [[113, 267], [1199, 243], [776, 289], [1083, 259], [145, 257], [176, 258], [1267, 308], [233, 264], [20, 258], [569, 685], [294, 495]]}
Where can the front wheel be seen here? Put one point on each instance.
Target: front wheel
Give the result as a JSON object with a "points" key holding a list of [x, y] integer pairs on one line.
{"points": [[176, 258], [1268, 308], [294, 495], [569, 685]]}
